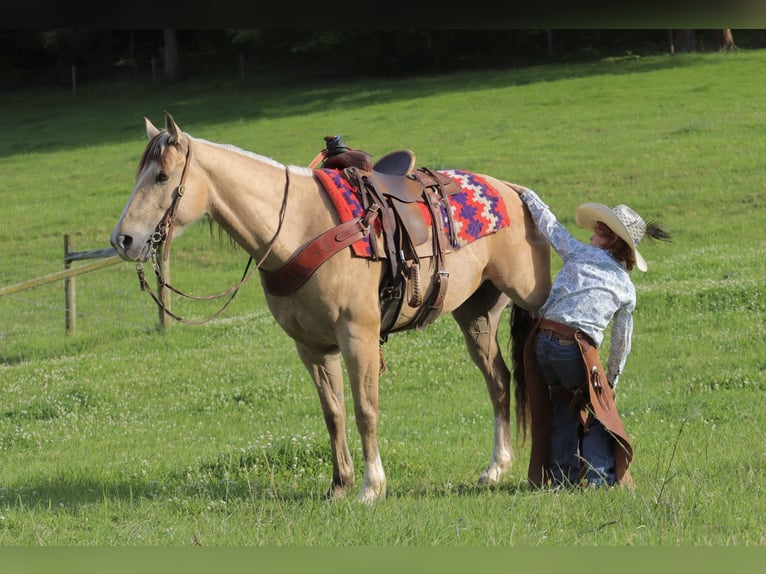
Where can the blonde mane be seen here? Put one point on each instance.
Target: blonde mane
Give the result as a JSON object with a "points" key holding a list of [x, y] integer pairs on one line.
{"points": [[297, 169], [155, 151]]}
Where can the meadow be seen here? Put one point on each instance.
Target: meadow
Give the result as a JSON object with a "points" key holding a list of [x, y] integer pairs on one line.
{"points": [[212, 435]]}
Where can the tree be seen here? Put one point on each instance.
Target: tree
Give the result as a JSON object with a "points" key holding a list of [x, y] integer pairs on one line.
{"points": [[172, 61], [683, 41]]}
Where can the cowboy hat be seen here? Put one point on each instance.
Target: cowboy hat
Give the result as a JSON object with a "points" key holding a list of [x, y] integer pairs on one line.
{"points": [[626, 223]]}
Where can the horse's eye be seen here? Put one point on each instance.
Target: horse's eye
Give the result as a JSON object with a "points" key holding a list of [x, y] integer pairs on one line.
{"points": [[162, 177]]}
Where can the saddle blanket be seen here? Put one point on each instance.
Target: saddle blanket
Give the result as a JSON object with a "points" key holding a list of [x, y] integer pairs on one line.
{"points": [[477, 209]]}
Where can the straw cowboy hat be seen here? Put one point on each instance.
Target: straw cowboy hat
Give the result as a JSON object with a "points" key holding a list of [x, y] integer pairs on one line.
{"points": [[625, 222]]}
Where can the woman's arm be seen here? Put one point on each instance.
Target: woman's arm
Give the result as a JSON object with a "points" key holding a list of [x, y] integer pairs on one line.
{"points": [[547, 223], [620, 344]]}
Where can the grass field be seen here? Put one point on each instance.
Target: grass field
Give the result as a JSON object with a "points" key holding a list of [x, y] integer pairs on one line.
{"points": [[212, 435]]}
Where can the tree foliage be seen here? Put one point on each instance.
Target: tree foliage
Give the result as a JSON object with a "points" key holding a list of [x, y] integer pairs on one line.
{"points": [[46, 57]]}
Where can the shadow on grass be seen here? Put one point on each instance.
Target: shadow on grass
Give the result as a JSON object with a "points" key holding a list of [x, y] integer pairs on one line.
{"points": [[112, 114], [71, 495], [462, 490], [71, 491]]}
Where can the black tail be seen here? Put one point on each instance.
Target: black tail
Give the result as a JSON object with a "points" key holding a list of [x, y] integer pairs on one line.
{"points": [[522, 322]]}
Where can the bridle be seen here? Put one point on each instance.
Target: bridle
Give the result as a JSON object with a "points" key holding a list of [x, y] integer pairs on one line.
{"points": [[163, 234]]}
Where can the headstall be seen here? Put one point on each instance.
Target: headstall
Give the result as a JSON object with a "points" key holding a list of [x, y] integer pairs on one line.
{"points": [[163, 234]]}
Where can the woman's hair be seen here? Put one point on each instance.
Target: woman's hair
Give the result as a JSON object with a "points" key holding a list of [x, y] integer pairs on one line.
{"points": [[617, 246]]}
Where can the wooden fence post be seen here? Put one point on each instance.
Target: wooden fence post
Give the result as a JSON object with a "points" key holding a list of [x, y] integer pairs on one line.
{"points": [[107, 257], [70, 296]]}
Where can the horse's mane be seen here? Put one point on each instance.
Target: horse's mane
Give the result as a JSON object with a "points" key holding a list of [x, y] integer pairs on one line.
{"points": [[304, 170], [246, 153], [155, 151]]}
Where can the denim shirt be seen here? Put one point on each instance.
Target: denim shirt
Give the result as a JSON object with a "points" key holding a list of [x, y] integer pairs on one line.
{"points": [[592, 288]]}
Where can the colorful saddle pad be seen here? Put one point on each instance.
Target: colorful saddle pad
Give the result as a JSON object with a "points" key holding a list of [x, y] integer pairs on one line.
{"points": [[477, 210]]}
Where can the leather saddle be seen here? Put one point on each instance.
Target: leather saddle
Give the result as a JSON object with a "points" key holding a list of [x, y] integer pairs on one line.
{"points": [[398, 162], [395, 193], [399, 191]]}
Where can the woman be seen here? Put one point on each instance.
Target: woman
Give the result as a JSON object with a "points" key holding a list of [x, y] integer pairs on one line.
{"points": [[576, 418]]}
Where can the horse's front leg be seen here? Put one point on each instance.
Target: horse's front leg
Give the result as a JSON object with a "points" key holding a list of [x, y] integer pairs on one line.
{"points": [[360, 347], [478, 318], [327, 373]]}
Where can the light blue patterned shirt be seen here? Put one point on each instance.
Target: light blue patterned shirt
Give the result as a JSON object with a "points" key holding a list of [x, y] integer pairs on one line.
{"points": [[591, 290]]}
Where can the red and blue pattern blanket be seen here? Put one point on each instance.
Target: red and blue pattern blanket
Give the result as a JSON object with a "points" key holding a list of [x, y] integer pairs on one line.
{"points": [[477, 210]]}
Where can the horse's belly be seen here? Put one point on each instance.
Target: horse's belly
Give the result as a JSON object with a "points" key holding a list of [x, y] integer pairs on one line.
{"points": [[463, 273]]}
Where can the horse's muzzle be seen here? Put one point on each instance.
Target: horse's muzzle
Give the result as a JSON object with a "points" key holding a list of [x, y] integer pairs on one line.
{"points": [[128, 248]]}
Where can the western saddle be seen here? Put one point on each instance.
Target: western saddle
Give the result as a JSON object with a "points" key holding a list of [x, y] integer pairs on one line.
{"points": [[393, 191]]}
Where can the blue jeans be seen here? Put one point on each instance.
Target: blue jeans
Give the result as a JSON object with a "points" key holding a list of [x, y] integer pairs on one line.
{"points": [[563, 370]]}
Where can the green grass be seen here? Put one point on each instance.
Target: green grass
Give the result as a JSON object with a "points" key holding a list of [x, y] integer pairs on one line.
{"points": [[212, 435]]}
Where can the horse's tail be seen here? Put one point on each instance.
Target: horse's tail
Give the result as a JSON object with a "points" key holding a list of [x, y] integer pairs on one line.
{"points": [[522, 323]]}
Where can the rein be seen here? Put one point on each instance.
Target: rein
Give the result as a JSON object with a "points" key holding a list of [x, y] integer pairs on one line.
{"points": [[163, 234]]}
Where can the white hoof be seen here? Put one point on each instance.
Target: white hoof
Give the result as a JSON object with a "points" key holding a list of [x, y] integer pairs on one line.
{"points": [[489, 477], [494, 473], [371, 496]]}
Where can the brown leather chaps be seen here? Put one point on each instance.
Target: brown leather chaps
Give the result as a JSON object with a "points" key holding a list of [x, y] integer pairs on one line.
{"points": [[600, 403]]}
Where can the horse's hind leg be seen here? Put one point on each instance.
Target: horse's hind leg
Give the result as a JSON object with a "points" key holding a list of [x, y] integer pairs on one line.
{"points": [[326, 372], [479, 317]]}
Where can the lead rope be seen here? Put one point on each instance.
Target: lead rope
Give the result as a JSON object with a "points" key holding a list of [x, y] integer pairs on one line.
{"points": [[164, 233]]}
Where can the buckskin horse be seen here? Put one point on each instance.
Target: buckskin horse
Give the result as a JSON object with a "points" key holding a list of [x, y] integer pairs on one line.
{"points": [[337, 304]]}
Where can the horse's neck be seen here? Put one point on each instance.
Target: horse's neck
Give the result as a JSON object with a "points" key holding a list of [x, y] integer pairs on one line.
{"points": [[247, 192]]}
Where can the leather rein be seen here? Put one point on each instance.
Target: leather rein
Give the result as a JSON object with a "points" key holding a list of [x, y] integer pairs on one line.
{"points": [[163, 234]]}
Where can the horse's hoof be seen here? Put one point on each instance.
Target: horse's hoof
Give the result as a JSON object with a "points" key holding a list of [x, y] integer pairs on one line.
{"points": [[491, 476], [332, 495], [370, 496], [337, 491], [486, 480]]}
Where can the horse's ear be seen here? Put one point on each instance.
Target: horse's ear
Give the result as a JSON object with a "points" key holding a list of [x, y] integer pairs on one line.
{"points": [[151, 130], [173, 129]]}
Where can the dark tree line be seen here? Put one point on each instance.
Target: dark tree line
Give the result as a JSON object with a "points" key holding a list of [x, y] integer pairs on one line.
{"points": [[50, 57]]}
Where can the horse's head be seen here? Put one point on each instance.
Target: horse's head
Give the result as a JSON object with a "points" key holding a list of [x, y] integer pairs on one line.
{"points": [[155, 209]]}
